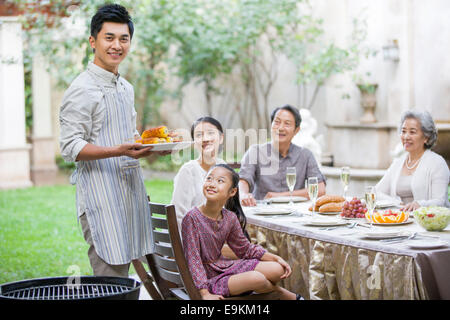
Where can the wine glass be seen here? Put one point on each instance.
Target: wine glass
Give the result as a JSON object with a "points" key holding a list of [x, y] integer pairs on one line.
{"points": [[345, 178], [371, 198], [313, 191], [291, 177]]}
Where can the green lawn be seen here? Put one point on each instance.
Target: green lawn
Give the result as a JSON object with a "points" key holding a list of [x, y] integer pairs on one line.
{"points": [[39, 234]]}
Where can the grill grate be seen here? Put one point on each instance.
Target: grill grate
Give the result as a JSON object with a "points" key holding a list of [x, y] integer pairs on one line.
{"points": [[58, 289], [64, 292]]}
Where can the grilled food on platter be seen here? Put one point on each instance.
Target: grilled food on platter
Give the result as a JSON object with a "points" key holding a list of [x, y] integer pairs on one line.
{"points": [[175, 136], [159, 135], [159, 132], [152, 140]]}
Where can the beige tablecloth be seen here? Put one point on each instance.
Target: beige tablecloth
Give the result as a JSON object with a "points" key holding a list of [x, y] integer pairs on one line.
{"points": [[341, 264]]}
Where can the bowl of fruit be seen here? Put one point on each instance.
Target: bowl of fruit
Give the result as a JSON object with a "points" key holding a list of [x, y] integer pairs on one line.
{"points": [[432, 218], [354, 209]]}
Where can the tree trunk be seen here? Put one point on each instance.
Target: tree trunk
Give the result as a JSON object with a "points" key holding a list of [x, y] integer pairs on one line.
{"points": [[208, 97], [314, 96]]}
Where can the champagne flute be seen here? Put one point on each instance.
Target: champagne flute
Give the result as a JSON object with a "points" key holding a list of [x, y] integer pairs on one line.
{"points": [[291, 177], [313, 191], [371, 198], [345, 178]]}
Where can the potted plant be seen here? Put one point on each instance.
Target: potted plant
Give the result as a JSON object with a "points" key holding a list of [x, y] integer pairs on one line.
{"points": [[368, 99]]}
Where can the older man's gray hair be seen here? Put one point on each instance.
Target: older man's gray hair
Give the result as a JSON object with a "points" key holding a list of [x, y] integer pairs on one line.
{"points": [[426, 123]]}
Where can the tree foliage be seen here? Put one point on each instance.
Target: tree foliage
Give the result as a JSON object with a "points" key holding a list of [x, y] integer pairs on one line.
{"points": [[230, 47]]}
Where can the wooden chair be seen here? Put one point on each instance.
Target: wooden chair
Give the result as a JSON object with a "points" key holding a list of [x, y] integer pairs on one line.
{"points": [[147, 280], [168, 264]]}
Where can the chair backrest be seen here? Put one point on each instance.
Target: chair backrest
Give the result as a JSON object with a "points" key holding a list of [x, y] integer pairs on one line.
{"points": [[168, 264]]}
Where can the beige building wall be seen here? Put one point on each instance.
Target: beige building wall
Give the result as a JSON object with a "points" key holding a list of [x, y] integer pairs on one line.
{"points": [[430, 47], [14, 150], [418, 80]]}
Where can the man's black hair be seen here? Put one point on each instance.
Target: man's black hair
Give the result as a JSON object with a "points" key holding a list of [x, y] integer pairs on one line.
{"points": [[291, 109], [110, 13]]}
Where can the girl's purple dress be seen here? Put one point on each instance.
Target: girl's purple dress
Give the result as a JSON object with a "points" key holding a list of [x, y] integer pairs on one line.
{"points": [[203, 239]]}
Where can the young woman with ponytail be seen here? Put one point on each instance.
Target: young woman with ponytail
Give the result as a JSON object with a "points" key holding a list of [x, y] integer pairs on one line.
{"points": [[205, 229]]}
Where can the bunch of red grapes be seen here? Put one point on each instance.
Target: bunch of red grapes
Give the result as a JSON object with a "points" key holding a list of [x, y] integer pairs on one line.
{"points": [[354, 209]]}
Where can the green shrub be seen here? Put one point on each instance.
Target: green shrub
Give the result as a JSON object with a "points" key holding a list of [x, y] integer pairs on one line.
{"points": [[63, 165]]}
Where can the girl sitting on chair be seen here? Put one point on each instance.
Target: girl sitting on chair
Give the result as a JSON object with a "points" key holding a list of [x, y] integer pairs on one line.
{"points": [[221, 219]]}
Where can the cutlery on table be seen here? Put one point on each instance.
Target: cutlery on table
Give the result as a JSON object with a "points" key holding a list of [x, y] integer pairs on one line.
{"points": [[278, 215], [362, 225], [399, 239], [351, 226], [264, 202], [428, 236]]}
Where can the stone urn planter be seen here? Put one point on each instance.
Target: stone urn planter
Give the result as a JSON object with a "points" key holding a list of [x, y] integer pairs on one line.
{"points": [[368, 102]]}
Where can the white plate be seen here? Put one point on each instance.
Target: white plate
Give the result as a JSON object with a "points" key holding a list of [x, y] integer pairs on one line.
{"points": [[384, 235], [270, 211], [325, 222], [427, 244], [169, 146], [329, 213], [391, 224], [287, 199], [354, 219]]}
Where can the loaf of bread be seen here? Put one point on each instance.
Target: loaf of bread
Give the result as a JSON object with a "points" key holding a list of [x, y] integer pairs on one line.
{"points": [[331, 207], [316, 208], [327, 199], [335, 203]]}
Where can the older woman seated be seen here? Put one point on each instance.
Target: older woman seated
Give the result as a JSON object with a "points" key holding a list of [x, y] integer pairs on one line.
{"points": [[420, 177]]}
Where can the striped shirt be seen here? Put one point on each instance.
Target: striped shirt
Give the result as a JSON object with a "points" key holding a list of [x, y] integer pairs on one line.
{"points": [[98, 108]]}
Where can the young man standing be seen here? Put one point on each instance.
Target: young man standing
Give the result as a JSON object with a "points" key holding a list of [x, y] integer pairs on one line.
{"points": [[98, 128]]}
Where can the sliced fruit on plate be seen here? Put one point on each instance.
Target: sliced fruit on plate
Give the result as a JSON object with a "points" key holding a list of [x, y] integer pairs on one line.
{"points": [[387, 216]]}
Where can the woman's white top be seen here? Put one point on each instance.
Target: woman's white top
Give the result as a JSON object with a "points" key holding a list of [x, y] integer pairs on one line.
{"points": [[404, 190], [188, 188], [429, 182]]}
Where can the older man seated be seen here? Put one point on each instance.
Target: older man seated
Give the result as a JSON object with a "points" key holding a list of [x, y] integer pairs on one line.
{"points": [[263, 167]]}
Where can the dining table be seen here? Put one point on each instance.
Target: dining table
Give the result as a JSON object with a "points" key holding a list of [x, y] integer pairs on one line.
{"points": [[333, 258]]}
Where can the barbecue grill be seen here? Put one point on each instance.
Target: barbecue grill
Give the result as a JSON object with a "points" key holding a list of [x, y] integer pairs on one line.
{"points": [[58, 288]]}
